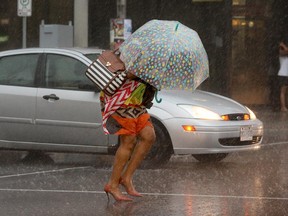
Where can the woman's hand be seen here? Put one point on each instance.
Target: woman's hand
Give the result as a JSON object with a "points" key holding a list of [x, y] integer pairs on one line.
{"points": [[131, 76], [283, 49]]}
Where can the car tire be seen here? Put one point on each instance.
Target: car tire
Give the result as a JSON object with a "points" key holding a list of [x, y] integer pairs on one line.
{"points": [[207, 158], [161, 150]]}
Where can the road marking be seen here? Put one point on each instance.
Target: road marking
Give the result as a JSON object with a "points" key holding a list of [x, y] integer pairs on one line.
{"points": [[276, 143], [148, 194], [43, 172], [218, 196]]}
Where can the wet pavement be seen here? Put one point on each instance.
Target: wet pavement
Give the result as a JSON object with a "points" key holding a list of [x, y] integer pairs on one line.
{"points": [[245, 183]]}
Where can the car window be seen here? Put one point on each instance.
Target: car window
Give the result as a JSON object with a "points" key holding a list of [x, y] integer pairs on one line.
{"points": [[64, 72], [92, 56], [18, 70]]}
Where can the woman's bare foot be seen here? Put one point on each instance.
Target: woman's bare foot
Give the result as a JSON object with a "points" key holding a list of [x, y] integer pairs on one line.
{"points": [[128, 185]]}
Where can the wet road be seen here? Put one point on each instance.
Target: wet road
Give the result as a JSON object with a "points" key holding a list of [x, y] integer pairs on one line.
{"points": [[246, 183]]}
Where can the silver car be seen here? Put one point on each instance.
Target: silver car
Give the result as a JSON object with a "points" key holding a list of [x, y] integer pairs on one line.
{"points": [[49, 105]]}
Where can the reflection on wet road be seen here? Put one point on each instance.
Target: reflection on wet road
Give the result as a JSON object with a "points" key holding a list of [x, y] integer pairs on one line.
{"points": [[247, 183]]}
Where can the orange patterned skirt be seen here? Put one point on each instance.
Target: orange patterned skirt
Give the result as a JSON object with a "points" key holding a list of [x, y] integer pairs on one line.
{"points": [[127, 124]]}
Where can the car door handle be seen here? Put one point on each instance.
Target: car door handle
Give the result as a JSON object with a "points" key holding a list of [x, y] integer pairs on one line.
{"points": [[51, 96]]}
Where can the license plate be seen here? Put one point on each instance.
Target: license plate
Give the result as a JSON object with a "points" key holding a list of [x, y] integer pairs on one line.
{"points": [[246, 133]]}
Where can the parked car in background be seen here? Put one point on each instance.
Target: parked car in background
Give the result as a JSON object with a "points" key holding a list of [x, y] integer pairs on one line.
{"points": [[47, 104]]}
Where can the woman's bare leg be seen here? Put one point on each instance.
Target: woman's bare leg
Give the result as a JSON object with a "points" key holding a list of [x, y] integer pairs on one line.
{"points": [[127, 144], [146, 139], [283, 98]]}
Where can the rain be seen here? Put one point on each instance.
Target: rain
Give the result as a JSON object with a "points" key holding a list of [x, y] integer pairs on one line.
{"points": [[220, 149]]}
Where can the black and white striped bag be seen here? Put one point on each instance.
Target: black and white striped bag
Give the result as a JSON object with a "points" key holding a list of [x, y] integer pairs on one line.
{"points": [[107, 72]]}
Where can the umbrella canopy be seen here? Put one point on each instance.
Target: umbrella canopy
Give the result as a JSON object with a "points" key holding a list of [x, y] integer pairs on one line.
{"points": [[167, 55]]}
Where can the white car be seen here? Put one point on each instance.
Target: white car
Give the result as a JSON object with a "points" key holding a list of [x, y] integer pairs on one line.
{"points": [[49, 105]]}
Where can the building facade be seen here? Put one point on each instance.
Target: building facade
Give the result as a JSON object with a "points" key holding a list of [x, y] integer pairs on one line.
{"points": [[241, 36]]}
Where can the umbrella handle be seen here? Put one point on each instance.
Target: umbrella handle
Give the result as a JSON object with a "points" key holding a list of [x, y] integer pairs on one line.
{"points": [[157, 100]]}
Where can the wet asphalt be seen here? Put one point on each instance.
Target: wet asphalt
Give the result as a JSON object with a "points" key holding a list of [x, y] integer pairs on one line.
{"points": [[246, 183]]}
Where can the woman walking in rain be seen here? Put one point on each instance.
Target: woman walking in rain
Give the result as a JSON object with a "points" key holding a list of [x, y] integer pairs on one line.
{"points": [[127, 117], [167, 55]]}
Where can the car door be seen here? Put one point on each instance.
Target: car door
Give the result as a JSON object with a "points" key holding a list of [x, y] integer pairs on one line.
{"points": [[68, 110], [17, 98]]}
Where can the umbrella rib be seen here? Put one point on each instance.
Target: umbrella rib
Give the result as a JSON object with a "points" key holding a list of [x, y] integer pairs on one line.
{"points": [[171, 46]]}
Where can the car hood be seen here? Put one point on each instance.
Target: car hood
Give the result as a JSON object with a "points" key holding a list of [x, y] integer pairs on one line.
{"points": [[214, 102]]}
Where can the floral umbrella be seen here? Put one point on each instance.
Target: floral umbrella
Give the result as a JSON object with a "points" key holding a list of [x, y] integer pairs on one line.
{"points": [[167, 55]]}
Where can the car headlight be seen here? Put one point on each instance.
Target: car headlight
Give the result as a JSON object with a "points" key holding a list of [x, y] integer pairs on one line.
{"points": [[200, 112], [252, 114]]}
